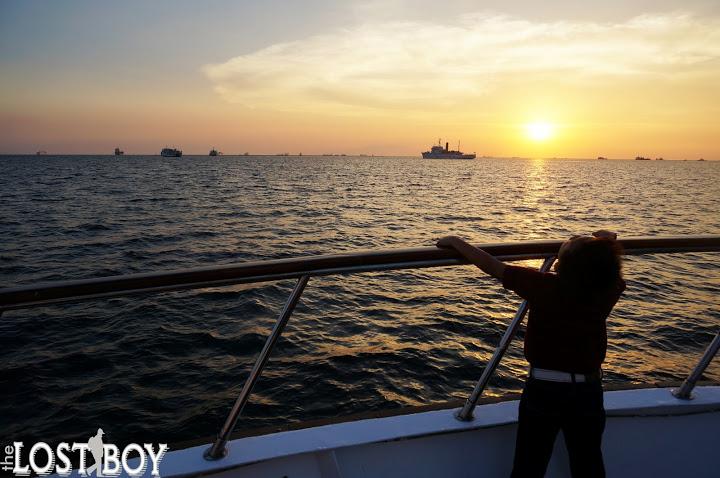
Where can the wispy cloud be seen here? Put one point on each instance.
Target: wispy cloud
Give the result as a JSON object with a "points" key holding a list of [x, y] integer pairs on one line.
{"points": [[419, 65]]}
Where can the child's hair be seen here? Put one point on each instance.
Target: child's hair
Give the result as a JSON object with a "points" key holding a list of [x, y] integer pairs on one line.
{"points": [[590, 266]]}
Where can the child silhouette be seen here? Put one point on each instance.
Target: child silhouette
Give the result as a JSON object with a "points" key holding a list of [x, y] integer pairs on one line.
{"points": [[565, 344]]}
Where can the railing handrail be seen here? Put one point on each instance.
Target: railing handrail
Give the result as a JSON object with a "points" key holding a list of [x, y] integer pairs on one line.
{"points": [[305, 267], [293, 268]]}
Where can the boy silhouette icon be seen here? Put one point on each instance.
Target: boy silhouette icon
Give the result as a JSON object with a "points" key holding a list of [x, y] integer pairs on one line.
{"points": [[95, 445]]}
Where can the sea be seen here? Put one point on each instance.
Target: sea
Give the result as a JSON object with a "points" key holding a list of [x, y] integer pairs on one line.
{"points": [[166, 368]]}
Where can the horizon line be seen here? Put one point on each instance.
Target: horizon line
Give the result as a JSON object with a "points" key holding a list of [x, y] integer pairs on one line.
{"points": [[362, 155]]}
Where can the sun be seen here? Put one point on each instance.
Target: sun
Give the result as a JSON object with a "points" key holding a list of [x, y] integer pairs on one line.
{"points": [[539, 130]]}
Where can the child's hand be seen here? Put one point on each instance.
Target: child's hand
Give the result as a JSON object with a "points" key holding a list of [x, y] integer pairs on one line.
{"points": [[604, 233], [447, 241]]}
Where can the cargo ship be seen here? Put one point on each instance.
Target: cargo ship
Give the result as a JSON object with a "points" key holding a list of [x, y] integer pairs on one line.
{"points": [[438, 152]]}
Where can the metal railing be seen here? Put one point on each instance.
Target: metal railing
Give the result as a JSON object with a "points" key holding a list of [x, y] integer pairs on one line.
{"points": [[466, 412], [685, 390], [303, 268], [218, 448]]}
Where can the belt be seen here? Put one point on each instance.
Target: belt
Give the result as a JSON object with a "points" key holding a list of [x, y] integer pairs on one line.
{"points": [[558, 376]]}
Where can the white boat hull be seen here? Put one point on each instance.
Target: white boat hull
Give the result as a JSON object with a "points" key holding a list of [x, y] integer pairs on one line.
{"points": [[649, 433], [447, 156]]}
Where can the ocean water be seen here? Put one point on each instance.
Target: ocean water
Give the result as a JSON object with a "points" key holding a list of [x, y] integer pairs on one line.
{"points": [[167, 367]]}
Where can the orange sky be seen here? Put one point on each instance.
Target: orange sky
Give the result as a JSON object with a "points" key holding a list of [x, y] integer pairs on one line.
{"points": [[642, 84]]}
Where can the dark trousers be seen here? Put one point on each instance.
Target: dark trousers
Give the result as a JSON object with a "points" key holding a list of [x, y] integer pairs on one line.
{"points": [[548, 407]]}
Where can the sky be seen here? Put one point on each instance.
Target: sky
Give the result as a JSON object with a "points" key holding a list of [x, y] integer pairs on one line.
{"points": [[525, 78]]}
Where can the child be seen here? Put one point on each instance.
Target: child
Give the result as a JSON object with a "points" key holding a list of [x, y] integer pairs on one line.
{"points": [[565, 344]]}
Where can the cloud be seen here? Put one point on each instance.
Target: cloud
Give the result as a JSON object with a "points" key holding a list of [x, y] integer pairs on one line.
{"points": [[392, 65]]}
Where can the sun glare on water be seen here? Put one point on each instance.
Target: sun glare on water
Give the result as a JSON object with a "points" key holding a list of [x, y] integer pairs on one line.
{"points": [[539, 131]]}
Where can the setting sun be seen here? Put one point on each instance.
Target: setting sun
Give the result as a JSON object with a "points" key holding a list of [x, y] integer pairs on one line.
{"points": [[539, 131]]}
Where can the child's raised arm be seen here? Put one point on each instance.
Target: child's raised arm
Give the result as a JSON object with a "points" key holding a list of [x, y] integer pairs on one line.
{"points": [[480, 258]]}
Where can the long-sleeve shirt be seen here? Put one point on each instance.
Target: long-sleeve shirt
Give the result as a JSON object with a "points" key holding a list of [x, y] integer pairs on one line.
{"points": [[564, 332]]}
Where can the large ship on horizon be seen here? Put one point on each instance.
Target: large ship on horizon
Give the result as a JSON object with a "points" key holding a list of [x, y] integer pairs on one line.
{"points": [[438, 152]]}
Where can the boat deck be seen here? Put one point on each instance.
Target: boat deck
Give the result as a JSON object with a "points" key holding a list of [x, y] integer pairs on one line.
{"points": [[649, 433]]}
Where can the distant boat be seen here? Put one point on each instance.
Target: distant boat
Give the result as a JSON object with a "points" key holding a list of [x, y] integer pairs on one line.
{"points": [[213, 152], [41, 153], [659, 159], [119, 152], [602, 157], [171, 153], [701, 159], [438, 152], [640, 158]]}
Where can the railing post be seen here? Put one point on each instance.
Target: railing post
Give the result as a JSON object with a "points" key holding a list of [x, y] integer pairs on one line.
{"points": [[219, 448], [465, 414], [685, 390]]}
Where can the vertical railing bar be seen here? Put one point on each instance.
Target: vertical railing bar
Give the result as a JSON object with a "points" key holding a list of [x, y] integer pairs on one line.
{"points": [[219, 447], [465, 414], [685, 390]]}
